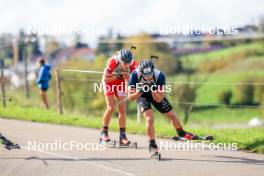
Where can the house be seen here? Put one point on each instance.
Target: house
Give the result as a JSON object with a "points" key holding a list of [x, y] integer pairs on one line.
{"points": [[71, 52]]}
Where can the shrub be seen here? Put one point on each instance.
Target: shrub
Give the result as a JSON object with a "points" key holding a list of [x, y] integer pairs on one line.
{"points": [[262, 105], [185, 95], [225, 97], [245, 92], [259, 89]]}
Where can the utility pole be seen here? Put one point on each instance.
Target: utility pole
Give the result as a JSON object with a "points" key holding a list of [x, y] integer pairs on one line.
{"points": [[27, 51]]}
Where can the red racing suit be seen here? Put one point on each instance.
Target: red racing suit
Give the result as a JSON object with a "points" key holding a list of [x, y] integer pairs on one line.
{"points": [[117, 87]]}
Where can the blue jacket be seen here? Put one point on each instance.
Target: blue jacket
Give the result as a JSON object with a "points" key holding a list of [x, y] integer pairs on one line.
{"points": [[43, 77]]}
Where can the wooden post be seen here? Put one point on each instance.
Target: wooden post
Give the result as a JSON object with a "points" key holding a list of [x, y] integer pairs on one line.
{"points": [[15, 52], [3, 84], [138, 114], [58, 91]]}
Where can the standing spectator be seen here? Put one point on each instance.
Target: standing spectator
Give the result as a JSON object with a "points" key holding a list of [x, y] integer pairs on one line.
{"points": [[43, 79]]}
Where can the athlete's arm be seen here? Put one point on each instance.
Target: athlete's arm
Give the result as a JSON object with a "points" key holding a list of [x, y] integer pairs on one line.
{"points": [[133, 94], [159, 93], [158, 96], [108, 76], [125, 76], [133, 66]]}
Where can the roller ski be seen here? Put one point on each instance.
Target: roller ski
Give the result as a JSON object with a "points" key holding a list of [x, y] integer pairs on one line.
{"points": [[201, 138], [124, 142], [8, 144], [105, 140], [183, 136], [154, 153]]}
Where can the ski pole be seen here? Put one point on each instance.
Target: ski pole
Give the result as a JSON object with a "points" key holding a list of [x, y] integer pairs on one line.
{"points": [[88, 71]]}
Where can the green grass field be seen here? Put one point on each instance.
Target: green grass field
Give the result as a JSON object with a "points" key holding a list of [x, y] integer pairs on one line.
{"points": [[193, 60], [251, 139], [215, 83]]}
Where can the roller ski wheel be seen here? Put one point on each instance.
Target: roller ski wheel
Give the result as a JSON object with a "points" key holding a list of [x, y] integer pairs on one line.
{"points": [[205, 138], [134, 145], [108, 143], [154, 153], [156, 156]]}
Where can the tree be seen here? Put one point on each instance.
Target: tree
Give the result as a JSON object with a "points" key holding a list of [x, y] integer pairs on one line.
{"points": [[52, 46], [79, 43], [261, 23], [6, 46], [185, 95], [225, 97], [258, 89], [21, 45], [35, 44], [146, 46]]}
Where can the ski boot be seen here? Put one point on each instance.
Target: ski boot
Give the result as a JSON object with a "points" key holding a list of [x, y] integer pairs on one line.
{"points": [[8, 144], [124, 142], [183, 136], [105, 140]]}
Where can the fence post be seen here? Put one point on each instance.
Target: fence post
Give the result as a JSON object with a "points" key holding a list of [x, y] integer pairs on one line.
{"points": [[138, 113], [58, 91], [3, 84]]}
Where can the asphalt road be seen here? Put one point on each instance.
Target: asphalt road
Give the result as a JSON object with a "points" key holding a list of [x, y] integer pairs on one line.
{"points": [[97, 160]]}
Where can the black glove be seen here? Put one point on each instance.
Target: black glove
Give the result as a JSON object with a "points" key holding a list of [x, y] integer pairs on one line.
{"points": [[119, 76], [142, 86], [153, 85]]}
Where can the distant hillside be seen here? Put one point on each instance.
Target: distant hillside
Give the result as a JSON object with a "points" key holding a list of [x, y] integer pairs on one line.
{"points": [[194, 61]]}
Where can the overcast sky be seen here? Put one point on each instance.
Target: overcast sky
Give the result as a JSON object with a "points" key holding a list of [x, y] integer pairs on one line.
{"points": [[125, 16]]}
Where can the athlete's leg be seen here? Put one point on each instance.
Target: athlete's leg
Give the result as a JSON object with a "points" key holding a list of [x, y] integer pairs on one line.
{"points": [[148, 114], [122, 118], [44, 98], [165, 107], [178, 127], [171, 115], [110, 107], [122, 111]]}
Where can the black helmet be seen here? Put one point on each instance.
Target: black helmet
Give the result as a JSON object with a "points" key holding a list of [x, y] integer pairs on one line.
{"points": [[125, 56], [146, 67]]}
